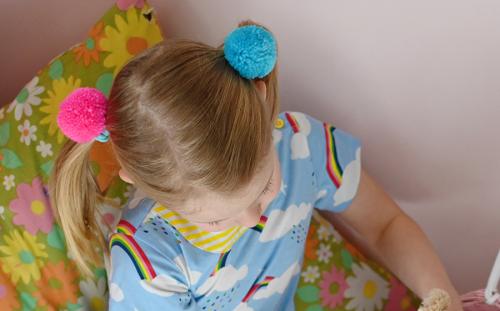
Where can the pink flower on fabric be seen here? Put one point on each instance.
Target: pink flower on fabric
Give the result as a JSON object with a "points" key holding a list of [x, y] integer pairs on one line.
{"points": [[398, 298], [125, 4], [32, 207], [333, 286]]}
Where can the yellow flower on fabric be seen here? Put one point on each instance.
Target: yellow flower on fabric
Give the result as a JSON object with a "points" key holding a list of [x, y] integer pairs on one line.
{"points": [[94, 295], [60, 89], [129, 38], [23, 256]]}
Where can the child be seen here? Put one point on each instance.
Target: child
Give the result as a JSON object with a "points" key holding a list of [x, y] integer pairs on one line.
{"points": [[225, 183]]}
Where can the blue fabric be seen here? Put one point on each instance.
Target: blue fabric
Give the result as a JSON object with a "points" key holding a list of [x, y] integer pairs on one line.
{"points": [[261, 270]]}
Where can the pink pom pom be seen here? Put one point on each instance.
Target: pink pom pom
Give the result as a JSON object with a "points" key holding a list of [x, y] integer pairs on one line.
{"points": [[82, 114]]}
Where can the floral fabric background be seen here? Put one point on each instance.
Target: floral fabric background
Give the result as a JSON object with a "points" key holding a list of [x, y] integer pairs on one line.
{"points": [[37, 272], [336, 276]]}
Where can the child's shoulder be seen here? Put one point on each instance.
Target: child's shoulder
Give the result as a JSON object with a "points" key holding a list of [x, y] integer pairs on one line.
{"points": [[294, 120], [298, 134], [140, 221], [304, 127], [144, 257], [137, 208], [141, 231]]}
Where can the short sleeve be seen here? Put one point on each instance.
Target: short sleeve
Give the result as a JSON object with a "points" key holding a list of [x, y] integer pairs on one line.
{"points": [[145, 282], [336, 159]]}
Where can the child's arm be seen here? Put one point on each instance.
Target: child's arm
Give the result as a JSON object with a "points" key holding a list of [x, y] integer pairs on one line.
{"points": [[347, 193], [395, 239]]}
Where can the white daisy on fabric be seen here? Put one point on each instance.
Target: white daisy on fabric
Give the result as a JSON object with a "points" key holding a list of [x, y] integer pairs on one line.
{"points": [[310, 274], [367, 289], [45, 149], [323, 233], [27, 132], [94, 295], [8, 182], [326, 229], [2, 211], [324, 253], [26, 98]]}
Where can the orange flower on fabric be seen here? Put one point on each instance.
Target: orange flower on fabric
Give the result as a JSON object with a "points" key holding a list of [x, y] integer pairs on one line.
{"points": [[8, 294], [90, 48], [311, 243], [58, 286]]}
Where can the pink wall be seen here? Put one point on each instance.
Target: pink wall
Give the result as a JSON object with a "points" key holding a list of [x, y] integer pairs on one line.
{"points": [[418, 82]]}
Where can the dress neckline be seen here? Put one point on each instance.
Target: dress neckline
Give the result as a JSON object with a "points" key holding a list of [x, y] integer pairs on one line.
{"points": [[214, 242]]}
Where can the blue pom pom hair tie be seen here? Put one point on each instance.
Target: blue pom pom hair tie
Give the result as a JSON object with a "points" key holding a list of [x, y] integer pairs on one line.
{"points": [[251, 50]]}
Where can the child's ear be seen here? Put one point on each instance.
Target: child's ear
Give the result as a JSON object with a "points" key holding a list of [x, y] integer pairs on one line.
{"points": [[124, 176], [261, 88]]}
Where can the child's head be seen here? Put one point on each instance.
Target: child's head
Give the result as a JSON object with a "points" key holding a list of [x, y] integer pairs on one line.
{"points": [[189, 131], [215, 151]]}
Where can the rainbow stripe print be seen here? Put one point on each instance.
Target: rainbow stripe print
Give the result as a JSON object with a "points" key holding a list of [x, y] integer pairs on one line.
{"points": [[332, 164], [260, 226], [221, 263], [126, 228], [293, 122], [256, 286], [141, 262]]}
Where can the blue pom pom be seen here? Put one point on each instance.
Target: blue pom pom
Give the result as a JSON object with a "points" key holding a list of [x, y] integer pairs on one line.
{"points": [[251, 50]]}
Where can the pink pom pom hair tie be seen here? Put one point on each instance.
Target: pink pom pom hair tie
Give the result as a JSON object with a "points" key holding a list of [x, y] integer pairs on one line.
{"points": [[82, 115]]}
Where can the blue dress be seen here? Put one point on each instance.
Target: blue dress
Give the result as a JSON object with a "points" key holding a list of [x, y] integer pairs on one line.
{"points": [[160, 261]]}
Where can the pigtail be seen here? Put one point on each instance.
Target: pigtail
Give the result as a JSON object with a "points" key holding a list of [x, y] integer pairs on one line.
{"points": [[73, 195], [271, 79]]}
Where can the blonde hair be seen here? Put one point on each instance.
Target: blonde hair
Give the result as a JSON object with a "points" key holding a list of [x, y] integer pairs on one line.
{"points": [[180, 119]]}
